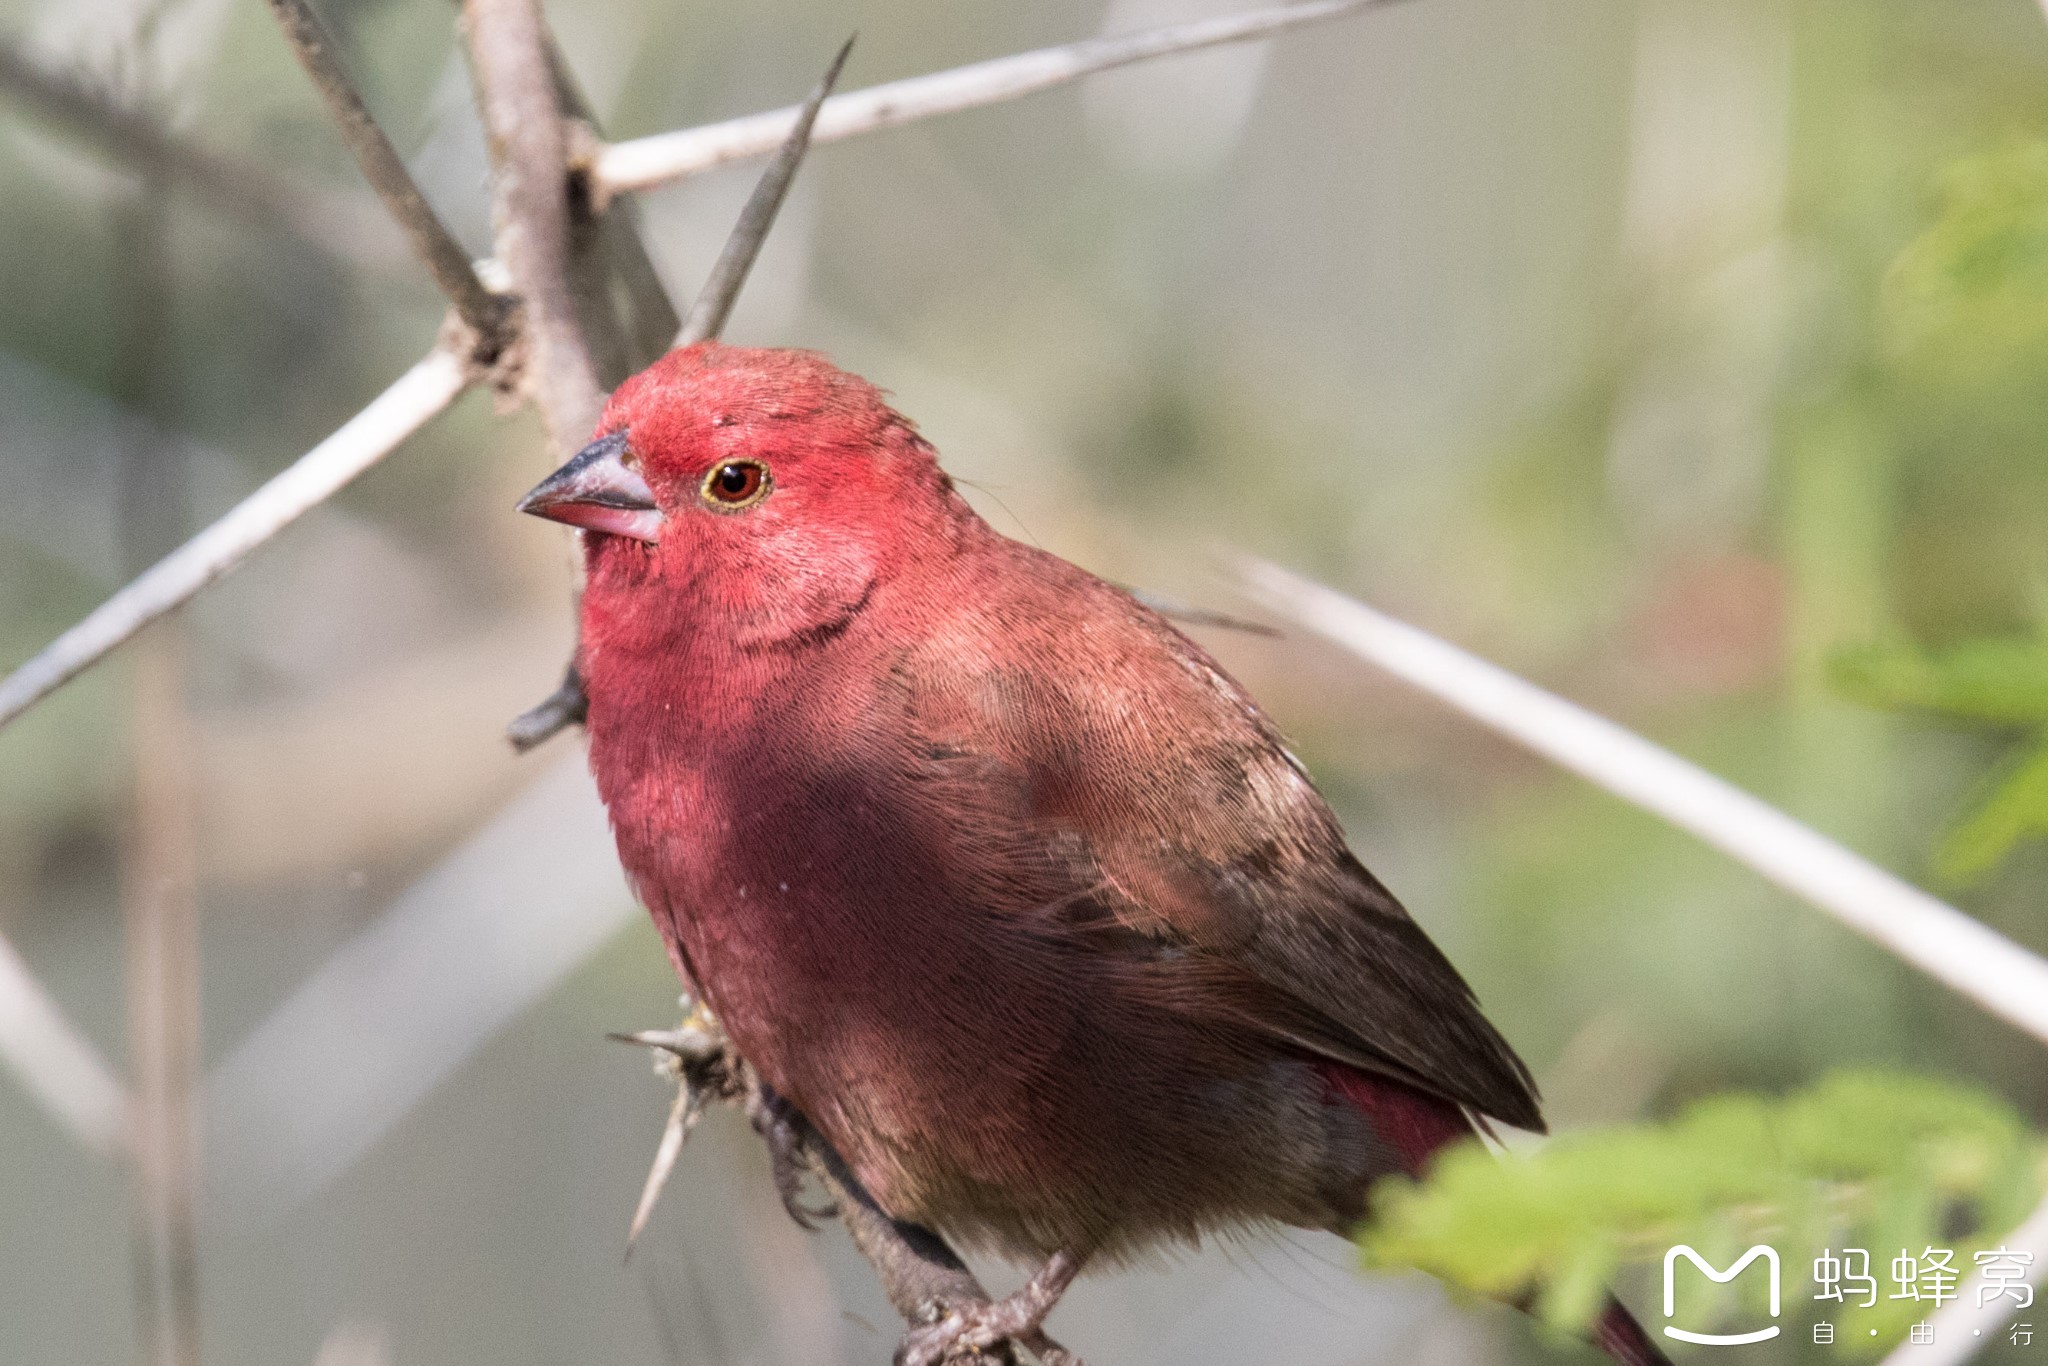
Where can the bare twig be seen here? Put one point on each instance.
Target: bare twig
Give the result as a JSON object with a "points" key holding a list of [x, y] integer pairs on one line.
{"points": [[646, 162], [224, 183], [509, 52], [1981, 964], [381, 165], [567, 705], [58, 1064], [361, 442]]}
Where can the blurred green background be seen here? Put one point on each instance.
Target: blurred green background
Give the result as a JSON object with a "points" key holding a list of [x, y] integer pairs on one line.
{"points": [[1668, 352]]}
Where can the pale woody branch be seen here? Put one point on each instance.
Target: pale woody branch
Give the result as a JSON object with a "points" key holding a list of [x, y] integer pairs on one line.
{"points": [[509, 55], [316, 476], [646, 162], [1976, 961]]}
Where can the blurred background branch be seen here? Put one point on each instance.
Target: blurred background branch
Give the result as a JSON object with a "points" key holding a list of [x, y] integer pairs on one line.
{"points": [[417, 396], [221, 183], [1959, 952], [55, 1063]]}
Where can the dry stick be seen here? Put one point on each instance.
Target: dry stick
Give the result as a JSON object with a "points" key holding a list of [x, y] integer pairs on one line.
{"points": [[1981, 964], [361, 442], [923, 1278], [509, 56], [239, 188], [381, 165], [56, 1063], [743, 245], [646, 162], [628, 318]]}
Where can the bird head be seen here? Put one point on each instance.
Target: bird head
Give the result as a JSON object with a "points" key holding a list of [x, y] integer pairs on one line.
{"points": [[769, 484], [719, 452]]}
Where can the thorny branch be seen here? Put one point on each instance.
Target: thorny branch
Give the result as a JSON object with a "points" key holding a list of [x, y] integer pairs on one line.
{"points": [[556, 255], [443, 256]]}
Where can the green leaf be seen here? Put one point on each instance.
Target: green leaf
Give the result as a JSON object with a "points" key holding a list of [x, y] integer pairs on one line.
{"points": [[1863, 1158], [2004, 680], [2016, 809], [1972, 290]]}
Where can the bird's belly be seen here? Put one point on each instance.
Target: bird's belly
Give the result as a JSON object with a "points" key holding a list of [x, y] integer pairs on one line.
{"points": [[1016, 1092]]}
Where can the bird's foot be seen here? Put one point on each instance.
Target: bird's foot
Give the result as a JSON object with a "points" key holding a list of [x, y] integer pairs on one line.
{"points": [[783, 1129], [968, 1331]]}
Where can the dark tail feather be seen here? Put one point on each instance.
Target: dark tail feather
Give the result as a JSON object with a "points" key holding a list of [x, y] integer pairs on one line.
{"points": [[1416, 1125], [1617, 1333]]}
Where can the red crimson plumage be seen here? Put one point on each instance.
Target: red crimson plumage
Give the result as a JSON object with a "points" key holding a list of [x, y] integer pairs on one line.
{"points": [[997, 878]]}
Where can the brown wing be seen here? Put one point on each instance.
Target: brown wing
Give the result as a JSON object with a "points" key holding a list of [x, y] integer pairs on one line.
{"points": [[1123, 751]]}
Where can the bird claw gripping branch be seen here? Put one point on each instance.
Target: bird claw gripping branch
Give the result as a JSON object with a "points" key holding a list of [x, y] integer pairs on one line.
{"points": [[783, 1129], [952, 1319]]}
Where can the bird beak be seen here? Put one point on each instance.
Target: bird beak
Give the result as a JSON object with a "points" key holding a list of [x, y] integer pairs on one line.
{"points": [[598, 491]]}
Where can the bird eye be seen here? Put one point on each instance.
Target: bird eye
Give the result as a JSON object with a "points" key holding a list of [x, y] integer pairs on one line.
{"points": [[736, 484]]}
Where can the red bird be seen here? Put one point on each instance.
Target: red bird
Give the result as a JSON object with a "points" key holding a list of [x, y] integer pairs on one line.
{"points": [[998, 879]]}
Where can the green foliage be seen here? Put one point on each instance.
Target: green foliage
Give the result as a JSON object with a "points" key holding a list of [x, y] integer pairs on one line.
{"points": [[1975, 284], [1869, 1159], [2001, 681], [2016, 808], [1997, 682]]}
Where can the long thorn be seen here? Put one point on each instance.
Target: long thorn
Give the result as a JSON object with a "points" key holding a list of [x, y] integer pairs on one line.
{"points": [[714, 303], [682, 1117]]}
